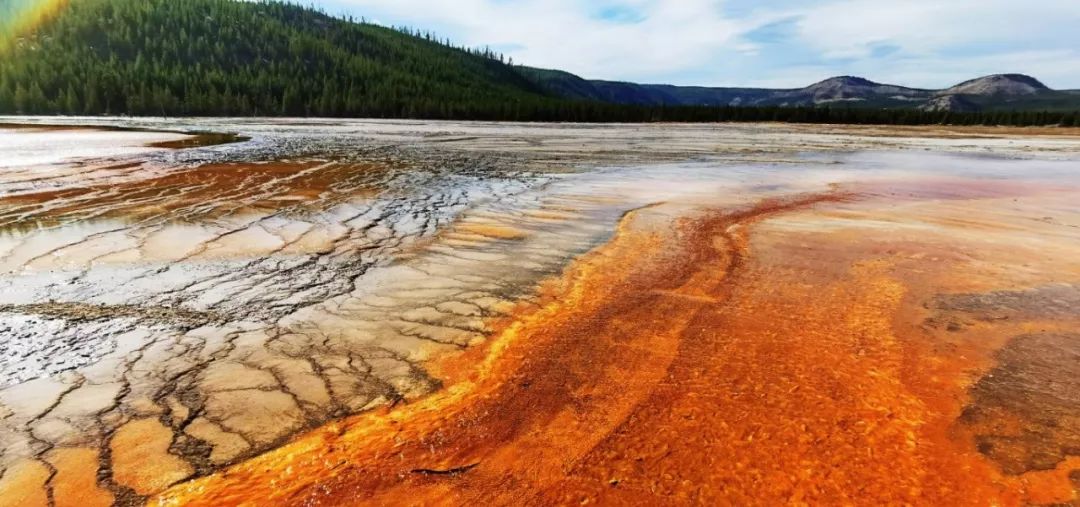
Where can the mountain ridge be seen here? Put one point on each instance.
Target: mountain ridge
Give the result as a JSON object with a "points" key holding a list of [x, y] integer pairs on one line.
{"points": [[992, 92], [999, 84], [273, 58]]}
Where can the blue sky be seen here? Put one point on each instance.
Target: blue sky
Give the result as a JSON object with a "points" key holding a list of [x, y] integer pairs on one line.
{"points": [[779, 43]]}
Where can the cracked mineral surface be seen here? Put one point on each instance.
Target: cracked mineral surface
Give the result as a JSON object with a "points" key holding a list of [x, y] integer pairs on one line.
{"points": [[332, 312]]}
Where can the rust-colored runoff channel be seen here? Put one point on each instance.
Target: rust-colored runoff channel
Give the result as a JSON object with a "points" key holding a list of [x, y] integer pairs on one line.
{"points": [[674, 365]]}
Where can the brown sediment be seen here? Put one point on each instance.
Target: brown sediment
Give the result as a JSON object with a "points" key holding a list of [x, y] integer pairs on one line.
{"points": [[201, 140], [491, 231], [81, 312], [1024, 412], [206, 191], [75, 484], [699, 365], [141, 459], [23, 484]]}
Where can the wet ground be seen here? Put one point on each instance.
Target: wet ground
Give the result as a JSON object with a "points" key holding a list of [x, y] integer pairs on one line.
{"points": [[323, 312]]}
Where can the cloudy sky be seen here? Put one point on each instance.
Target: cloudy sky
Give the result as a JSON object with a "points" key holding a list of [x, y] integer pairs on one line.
{"points": [[781, 43]]}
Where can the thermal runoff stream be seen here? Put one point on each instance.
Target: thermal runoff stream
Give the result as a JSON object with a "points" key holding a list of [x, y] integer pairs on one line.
{"points": [[316, 312]]}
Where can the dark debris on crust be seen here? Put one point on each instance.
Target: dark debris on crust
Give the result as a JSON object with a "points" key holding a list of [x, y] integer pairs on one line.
{"points": [[1036, 384]]}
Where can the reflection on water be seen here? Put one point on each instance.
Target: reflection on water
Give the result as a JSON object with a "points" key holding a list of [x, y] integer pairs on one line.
{"points": [[41, 148]]}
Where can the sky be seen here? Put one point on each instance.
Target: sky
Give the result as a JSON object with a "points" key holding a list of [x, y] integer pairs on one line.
{"points": [[774, 43]]}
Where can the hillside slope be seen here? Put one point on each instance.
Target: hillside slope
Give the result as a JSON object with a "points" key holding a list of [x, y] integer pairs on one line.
{"points": [[999, 85], [226, 57], [240, 58]]}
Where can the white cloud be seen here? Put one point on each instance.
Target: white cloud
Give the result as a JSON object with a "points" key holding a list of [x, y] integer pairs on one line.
{"points": [[567, 34], [932, 42], [938, 72], [846, 28]]}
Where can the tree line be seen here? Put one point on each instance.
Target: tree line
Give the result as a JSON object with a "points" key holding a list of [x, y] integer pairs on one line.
{"points": [[229, 58], [222, 57]]}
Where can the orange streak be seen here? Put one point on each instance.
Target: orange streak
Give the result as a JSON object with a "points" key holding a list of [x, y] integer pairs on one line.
{"points": [[670, 366]]}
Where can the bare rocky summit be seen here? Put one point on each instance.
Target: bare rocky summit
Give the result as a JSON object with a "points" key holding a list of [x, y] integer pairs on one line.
{"points": [[999, 91], [850, 88], [998, 85], [954, 103]]}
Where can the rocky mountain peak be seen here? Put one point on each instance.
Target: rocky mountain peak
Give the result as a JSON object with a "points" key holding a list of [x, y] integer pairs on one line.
{"points": [[842, 82], [998, 84]]}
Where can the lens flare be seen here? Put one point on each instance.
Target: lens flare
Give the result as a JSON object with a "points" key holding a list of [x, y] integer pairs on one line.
{"points": [[18, 17]]}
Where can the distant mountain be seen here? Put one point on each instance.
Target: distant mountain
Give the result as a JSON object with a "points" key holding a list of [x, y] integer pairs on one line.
{"points": [[565, 84], [999, 85], [990, 93], [845, 89], [1003, 92], [273, 58]]}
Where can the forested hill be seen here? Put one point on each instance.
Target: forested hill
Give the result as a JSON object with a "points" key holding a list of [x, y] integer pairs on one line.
{"points": [[223, 57], [237, 58]]}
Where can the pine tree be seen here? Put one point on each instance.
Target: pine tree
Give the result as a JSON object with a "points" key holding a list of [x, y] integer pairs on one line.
{"points": [[71, 100], [7, 97], [274, 58]]}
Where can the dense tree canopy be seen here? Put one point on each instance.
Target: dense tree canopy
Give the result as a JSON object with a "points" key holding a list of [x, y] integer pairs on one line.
{"points": [[223, 58]]}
